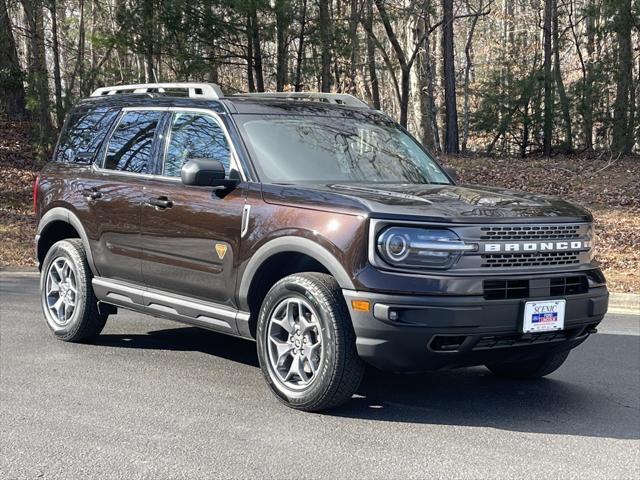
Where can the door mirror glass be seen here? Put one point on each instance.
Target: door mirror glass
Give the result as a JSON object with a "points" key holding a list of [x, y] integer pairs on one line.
{"points": [[205, 172]]}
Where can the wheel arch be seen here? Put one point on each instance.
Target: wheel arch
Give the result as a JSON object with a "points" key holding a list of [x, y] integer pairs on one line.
{"points": [[57, 224], [290, 255]]}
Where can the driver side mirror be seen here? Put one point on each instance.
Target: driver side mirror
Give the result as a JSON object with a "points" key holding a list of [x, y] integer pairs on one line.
{"points": [[205, 172]]}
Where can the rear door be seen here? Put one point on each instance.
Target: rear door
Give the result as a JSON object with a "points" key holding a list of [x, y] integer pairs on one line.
{"points": [[116, 193], [191, 235]]}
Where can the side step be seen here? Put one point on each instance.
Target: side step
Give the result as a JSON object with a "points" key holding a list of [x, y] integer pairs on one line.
{"points": [[173, 307]]}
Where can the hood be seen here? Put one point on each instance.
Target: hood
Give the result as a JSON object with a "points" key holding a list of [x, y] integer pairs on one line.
{"points": [[442, 203]]}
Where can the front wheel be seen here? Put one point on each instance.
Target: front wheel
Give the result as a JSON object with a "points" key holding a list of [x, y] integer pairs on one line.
{"points": [[306, 344], [533, 368], [68, 302]]}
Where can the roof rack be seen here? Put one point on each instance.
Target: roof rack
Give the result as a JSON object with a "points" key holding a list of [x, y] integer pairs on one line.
{"points": [[194, 90], [335, 98]]}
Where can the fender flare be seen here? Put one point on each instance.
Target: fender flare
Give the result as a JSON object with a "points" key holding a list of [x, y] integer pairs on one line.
{"points": [[295, 245], [65, 215]]}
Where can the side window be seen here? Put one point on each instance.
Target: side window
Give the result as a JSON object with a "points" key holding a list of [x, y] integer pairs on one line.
{"points": [[84, 132], [195, 135], [131, 144]]}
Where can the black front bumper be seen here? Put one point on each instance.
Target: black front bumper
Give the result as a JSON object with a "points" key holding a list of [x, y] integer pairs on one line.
{"points": [[417, 333]]}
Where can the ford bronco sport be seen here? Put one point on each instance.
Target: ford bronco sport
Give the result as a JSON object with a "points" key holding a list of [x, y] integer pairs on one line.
{"points": [[312, 224]]}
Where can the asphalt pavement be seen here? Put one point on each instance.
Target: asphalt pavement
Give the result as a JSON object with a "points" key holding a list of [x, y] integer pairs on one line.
{"points": [[156, 399]]}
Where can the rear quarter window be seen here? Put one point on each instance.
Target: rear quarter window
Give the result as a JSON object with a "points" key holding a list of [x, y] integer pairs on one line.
{"points": [[84, 132]]}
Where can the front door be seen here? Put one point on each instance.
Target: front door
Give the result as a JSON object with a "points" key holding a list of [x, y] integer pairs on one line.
{"points": [[191, 235]]}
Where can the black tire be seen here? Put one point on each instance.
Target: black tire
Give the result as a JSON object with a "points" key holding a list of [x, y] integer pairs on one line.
{"points": [[340, 369], [527, 369], [85, 321]]}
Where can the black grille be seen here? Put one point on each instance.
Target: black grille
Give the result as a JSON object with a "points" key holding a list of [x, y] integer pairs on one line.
{"points": [[569, 286], [505, 289], [534, 232], [497, 341], [537, 259]]}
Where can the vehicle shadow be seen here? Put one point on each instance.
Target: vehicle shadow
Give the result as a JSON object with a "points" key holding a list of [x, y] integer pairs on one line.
{"points": [[588, 396]]}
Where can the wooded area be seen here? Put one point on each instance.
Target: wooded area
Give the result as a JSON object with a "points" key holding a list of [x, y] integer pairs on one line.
{"points": [[519, 77]]}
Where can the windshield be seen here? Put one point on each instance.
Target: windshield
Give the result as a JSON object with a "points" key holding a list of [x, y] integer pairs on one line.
{"points": [[292, 149]]}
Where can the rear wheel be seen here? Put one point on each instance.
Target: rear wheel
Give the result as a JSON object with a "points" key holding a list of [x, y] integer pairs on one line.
{"points": [[534, 368], [68, 302], [306, 344]]}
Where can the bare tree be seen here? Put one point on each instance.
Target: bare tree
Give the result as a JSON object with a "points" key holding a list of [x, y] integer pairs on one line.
{"points": [[451, 144]]}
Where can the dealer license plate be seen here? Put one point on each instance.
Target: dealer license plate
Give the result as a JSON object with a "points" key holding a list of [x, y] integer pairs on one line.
{"points": [[543, 316]]}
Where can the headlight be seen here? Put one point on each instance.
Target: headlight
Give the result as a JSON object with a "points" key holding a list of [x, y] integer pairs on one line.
{"points": [[420, 248]]}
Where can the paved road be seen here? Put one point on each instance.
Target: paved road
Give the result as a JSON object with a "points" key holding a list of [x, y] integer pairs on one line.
{"points": [[154, 399]]}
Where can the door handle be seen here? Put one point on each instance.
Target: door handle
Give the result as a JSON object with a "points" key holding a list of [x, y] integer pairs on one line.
{"points": [[91, 194], [160, 202]]}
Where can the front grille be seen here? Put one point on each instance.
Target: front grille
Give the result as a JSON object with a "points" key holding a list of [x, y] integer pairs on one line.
{"points": [[497, 341], [508, 289], [505, 289], [562, 286], [537, 259], [533, 232]]}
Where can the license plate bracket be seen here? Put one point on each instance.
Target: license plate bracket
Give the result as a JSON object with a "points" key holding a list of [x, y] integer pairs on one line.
{"points": [[543, 316]]}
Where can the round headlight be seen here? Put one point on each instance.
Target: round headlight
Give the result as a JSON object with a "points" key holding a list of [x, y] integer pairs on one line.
{"points": [[397, 247]]}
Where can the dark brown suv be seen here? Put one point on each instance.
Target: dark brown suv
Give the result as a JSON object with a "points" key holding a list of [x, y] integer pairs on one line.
{"points": [[312, 224]]}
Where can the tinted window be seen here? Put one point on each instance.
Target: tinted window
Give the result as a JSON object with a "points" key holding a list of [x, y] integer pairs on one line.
{"points": [[331, 149], [85, 130], [131, 143], [194, 135]]}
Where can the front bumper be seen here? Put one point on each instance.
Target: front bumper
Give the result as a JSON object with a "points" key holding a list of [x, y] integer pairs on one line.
{"points": [[418, 333]]}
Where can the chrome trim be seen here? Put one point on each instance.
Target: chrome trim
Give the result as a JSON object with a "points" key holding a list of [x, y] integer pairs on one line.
{"points": [[244, 225]]}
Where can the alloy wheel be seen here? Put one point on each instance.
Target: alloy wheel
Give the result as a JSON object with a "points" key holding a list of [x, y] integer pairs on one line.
{"points": [[294, 343]]}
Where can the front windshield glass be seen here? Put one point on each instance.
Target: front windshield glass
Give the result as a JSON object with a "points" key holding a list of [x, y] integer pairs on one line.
{"points": [[292, 149]]}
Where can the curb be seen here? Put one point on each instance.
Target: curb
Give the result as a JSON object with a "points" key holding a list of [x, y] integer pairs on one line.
{"points": [[624, 302]]}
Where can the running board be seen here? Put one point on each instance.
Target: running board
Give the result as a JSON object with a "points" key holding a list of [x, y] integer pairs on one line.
{"points": [[167, 305]]}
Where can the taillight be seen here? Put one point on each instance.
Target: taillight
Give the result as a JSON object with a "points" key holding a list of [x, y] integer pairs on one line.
{"points": [[35, 193]]}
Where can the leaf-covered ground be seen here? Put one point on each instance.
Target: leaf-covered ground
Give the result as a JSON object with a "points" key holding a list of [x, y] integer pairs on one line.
{"points": [[609, 187]]}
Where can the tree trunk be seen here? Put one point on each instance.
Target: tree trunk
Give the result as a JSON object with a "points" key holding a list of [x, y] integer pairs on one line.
{"points": [[282, 10], [451, 109], [257, 50], [564, 100], [11, 86], [467, 78], [250, 79], [300, 57], [622, 120], [57, 80], [547, 129], [148, 12], [38, 77], [587, 94], [371, 57], [324, 24]]}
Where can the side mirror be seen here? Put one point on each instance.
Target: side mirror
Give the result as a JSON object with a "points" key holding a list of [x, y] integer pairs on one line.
{"points": [[205, 172], [452, 173]]}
